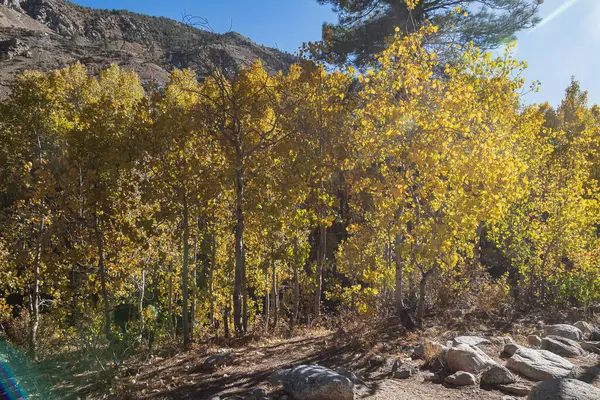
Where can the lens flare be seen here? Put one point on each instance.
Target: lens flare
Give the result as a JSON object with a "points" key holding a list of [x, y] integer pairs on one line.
{"points": [[554, 14]]}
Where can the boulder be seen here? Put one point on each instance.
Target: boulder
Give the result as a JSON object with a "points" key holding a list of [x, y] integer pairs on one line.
{"points": [[431, 377], [218, 360], [497, 374], [13, 47], [510, 349], [470, 340], [469, 359], [585, 327], [564, 389], [595, 336], [592, 347], [419, 352], [539, 365], [313, 382], [562, 346], [461, 378], [402, 374], [563, 330]]}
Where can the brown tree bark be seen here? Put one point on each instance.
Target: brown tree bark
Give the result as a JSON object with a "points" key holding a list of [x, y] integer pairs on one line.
{"points": [[398, 294], [185, 274], [102, 269], [239, 316]]}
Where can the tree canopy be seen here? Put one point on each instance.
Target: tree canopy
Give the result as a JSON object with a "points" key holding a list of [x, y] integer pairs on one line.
{"points": [[365, 25], [232, 203]]}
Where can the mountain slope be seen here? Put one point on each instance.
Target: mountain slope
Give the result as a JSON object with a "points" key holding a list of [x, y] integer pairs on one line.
{"points": [[49, 34]]}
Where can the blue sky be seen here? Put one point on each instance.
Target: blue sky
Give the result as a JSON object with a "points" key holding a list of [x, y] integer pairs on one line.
{"points": [[567, 43]]}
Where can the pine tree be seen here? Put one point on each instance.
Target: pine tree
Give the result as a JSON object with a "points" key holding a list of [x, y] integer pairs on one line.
{"points": [[365, 25]]}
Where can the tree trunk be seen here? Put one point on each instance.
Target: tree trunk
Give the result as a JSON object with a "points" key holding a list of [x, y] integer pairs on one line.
{"points": [[226, 322], [34, 302], [102, 269], [477, 247], [171, 316], [35, 296], [211, 286], [412, 297], [275, 297], [296, 285], [194, 286], [184, 276], [142, 290], [240, 267], [320, 262], [398, 295], [267, 300], [422, 293]]}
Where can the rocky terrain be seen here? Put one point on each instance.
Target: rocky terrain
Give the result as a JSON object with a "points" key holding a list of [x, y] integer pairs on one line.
{"points": [[49, 34], [553, 362], [550, 362]]}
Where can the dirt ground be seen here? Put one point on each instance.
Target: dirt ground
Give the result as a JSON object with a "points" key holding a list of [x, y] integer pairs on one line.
{"points": [[181, 376], [368, 350]]}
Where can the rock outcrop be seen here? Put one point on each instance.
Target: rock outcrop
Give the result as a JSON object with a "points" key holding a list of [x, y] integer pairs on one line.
{"points": [[562, 346], [563, 330], [539, 365], [461, 378], [469, 359], [470, 340], [313, 382], [497, 375], [50, 34], [564, 389]]}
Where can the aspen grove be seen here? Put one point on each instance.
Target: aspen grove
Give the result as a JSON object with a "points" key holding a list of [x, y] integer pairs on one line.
{"points": [[252, 201]]}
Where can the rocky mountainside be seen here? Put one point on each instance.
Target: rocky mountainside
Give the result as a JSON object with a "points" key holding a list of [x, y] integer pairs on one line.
{"points": [[49, 34]]}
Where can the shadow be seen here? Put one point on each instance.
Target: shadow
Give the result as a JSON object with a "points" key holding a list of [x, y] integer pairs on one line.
{"points": [[236, 383], [590, 374]]}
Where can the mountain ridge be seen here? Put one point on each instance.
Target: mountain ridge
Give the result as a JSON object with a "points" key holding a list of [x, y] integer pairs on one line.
{"points": [[50, 34]]}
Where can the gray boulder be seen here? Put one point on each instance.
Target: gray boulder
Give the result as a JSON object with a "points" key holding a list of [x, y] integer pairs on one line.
{"points": [[218, 360], [510, 349], [564, 389], [592, 347], [585, 327], [461, 378], [539, 365], [469, 359], [419, 352], [498, 374], [563, 330], [470, 340], [313, 382], [562, 346]]}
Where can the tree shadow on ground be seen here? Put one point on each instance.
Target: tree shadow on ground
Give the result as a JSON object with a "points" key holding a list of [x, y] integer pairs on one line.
{"points": [[240, 383]]}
